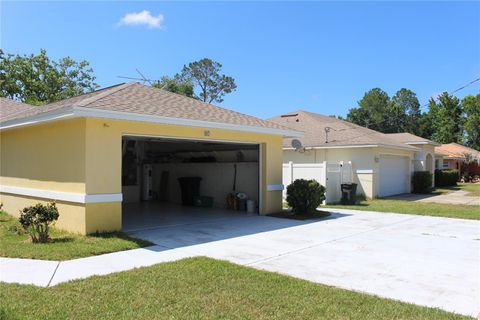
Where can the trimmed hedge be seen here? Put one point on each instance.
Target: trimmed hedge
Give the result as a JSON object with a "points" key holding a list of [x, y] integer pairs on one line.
{"points": [[446, 178], [422, 182]]}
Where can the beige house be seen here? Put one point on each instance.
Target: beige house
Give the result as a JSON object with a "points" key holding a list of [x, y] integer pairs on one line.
{"points": [[380, 164]]}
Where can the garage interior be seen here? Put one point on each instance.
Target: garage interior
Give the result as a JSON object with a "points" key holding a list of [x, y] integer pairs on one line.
{"points": [[174, 181]]}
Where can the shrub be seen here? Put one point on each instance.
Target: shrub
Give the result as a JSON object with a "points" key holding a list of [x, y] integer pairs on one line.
{"points": [[447, 177], [304, 196], [36, 220], [422, 182]]}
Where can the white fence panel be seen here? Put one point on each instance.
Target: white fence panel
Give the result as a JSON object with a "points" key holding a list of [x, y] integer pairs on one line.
{"points": [[330, 175], [293, 171]]}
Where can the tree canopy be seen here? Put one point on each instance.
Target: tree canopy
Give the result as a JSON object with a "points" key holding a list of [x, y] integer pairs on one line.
{"points": [[176, 85], [447, 120], [472, 120], [371, 110], [205, 75], [37, 80], [377, 111]]}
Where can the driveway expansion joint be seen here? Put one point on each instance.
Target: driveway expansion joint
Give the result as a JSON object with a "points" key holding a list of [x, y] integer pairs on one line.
{"points": [[53, 274]]}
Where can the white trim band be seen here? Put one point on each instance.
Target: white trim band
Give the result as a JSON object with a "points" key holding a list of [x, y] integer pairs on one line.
{"points": [[63, 196], [274, 187], [365, 171]]}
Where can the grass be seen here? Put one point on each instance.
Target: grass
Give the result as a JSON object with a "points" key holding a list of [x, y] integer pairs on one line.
{"points": [[472, 189], [418, 208], [201, 288], [14, 243], [423, 208]]}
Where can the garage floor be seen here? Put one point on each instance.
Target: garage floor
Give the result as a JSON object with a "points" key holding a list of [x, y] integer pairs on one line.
{"points": [[148, 215], [428, 261]]}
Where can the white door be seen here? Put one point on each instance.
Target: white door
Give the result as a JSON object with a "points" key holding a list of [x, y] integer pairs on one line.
{"points": [[394, 175]]}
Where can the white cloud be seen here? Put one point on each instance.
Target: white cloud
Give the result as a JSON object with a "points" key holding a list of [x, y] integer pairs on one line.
{"points": [[142, 18]]}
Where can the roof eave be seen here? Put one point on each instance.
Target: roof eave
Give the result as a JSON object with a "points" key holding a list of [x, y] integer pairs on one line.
{"points": [[83, 112], [422, 143], [346, 146]]}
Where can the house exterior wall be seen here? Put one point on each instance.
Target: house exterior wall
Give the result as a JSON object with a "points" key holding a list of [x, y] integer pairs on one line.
{"points": [[365, 163], [451, 164], [48, 157], [82, 157], [362, 163]]}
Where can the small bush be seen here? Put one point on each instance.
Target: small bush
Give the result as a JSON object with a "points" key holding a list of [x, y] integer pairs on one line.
{"points": [[304, 196], [37, 219], [422, 182], [446, 178]]}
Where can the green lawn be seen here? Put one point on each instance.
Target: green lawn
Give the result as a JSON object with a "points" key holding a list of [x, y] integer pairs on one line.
{"points": [[200, 288], [14, 243], [419, 208], [472, 189], [423, 208]]}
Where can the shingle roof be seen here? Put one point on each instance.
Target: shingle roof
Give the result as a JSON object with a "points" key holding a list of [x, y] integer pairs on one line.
{"points": [[146, 100], [409, 138], [341, 133], [455, 150], [11, 108]]}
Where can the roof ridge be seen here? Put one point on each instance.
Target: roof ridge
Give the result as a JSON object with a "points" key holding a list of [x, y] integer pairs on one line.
{"points": [[108, 91]]}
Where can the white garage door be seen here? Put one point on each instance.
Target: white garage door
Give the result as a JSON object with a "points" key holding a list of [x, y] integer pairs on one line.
{"points": [[393, 176]]}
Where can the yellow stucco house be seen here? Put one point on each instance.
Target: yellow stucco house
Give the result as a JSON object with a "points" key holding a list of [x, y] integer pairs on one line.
{"points": [[96, 153]]}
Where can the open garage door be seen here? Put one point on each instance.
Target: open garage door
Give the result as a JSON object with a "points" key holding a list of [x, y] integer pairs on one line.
{"points": [[162, 176], [394, 175]]}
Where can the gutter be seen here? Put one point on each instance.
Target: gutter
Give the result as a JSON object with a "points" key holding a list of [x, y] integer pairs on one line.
{"points": [[72, 112], [359, 146]]}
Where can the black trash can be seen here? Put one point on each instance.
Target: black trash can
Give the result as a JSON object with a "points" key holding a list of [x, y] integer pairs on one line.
{"points": [[349, 193], [190, 188]]}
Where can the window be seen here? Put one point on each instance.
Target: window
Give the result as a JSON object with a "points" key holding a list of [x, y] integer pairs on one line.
{"points": [[445, 164]]}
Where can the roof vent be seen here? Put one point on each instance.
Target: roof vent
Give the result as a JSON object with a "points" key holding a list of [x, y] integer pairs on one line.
{"points": [[289, 115]]}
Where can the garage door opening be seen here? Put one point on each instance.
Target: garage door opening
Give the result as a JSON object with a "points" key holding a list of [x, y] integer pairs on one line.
{"points": [[169, 181]]}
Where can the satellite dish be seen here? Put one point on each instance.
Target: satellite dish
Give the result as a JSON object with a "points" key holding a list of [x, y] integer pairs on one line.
{"points": [[297, 144]]}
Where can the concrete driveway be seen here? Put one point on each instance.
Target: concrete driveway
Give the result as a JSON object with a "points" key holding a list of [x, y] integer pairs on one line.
{"points": [[428, 261]]}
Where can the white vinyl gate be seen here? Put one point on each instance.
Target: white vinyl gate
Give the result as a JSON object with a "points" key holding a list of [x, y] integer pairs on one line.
{"points": [[330, 175]]}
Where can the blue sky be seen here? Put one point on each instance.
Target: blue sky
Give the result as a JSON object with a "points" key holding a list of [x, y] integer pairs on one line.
{"points": [[317, 56]]}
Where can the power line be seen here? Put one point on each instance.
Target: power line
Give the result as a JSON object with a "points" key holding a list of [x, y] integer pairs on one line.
{"points": [[463, 87], [458, 89]]}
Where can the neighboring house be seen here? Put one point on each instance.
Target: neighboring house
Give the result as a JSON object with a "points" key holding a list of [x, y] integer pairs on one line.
{"points": [[130, 142], [426, 157], [336, 151], [456, 155]]}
